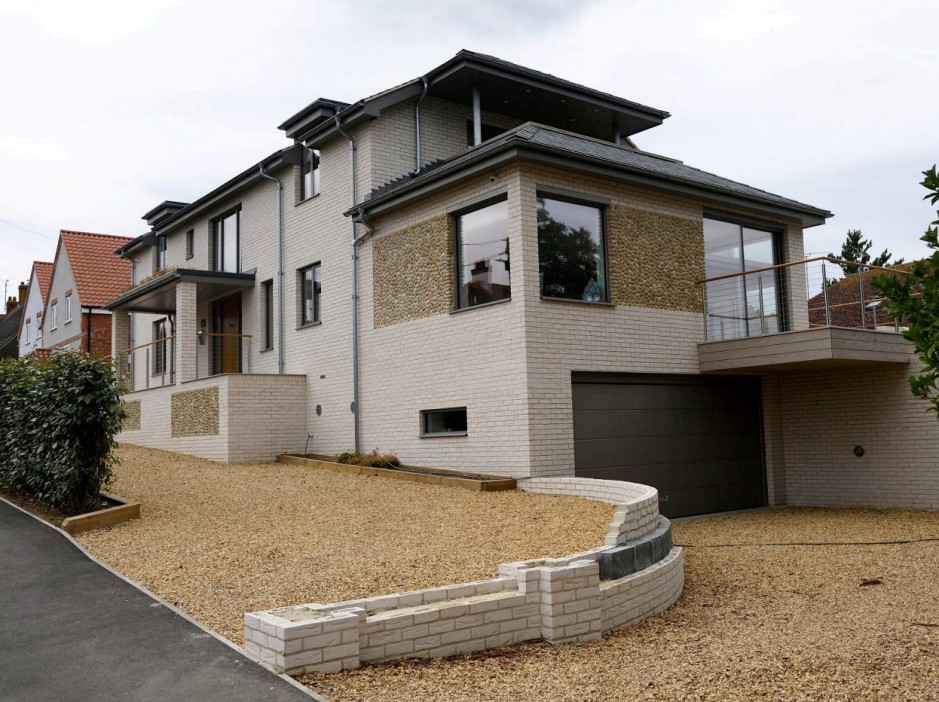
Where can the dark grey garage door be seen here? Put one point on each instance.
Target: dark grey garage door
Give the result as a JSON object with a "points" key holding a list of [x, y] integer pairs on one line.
{"points": [[697, 439]]}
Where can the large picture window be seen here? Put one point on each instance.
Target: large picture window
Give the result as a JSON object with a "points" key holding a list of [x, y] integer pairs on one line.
{"points": [[571, 250], [226, 243], [310, 291], [482, 250], [742, 305]]}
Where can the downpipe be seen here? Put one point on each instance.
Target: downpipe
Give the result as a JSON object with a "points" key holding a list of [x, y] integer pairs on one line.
{"points": [[281, 365]]}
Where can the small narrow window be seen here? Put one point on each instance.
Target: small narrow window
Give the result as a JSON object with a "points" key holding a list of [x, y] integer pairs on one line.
{"points": [[226, 243], [190, 244], [310, 291], [482, 250], [310, 171], [159, 347], [28, 332], [267, 323], [54, 315], [160, 263], [68, 309], [571, 250], [444, 422]]}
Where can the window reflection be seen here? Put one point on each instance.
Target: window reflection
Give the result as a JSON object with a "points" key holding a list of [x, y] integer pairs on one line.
{"points": [[570, 251], [483, 253]]}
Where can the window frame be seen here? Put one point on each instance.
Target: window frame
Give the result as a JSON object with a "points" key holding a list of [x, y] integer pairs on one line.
{"points": [[309, 158], [28, 327], [456, 214], [425, 413], [54, 314], [190, 244], [543, 192], [302, 322], [218, 241], [159, 251], [68, 308], [267, 315], [158, 360]]}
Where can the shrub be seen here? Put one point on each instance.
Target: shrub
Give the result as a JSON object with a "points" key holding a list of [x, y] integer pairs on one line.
{"points": [[374, 459], [58, 419]]}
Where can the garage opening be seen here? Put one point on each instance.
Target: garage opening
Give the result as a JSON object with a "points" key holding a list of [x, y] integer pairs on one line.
{"points": [[697, 439]]}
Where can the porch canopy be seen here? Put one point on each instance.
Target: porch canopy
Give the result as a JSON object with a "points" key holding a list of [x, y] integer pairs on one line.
{"points": [[158, 296]]}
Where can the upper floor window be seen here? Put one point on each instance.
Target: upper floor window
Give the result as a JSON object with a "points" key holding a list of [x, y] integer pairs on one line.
{"points": [[160, 262], [310, 291], [190, 244], [482, 250], [28, 332], [68, 309], [310, 170], [226, 243], [54, 315], [267, 320], [571, 250]]}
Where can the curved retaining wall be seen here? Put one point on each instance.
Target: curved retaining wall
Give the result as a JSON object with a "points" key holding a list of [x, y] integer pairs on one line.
{"points": [[570, 599]]}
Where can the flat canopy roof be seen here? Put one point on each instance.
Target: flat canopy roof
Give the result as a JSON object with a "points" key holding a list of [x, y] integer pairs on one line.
{"points": [[158, 296]]}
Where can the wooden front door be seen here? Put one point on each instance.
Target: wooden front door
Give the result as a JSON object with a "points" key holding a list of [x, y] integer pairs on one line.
{"points": [[226, 347]]}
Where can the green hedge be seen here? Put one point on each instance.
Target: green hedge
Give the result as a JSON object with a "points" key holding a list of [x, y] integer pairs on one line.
{"points": [[58, 419]]}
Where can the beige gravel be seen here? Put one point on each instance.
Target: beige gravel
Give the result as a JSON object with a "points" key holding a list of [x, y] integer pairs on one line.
{"points": [[755, 622], [221, 540]]}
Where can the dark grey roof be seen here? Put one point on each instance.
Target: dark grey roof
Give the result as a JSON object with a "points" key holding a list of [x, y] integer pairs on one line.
{"points": [[10, 333], [575, 147]]}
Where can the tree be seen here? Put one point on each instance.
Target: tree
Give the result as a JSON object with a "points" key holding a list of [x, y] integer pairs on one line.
{"points": [[913, 297], [857, 250], [567, 258]]}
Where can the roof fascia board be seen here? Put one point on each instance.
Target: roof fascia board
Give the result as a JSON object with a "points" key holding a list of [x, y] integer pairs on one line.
{"points": [[373, 107], [326, 131], [242, 280]]}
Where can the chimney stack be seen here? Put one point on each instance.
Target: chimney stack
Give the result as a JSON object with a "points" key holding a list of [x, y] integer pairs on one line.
{"points": [[11, 304], [24, 288]]}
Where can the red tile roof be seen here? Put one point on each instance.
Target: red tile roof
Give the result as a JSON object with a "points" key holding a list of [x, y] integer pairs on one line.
{"points": [[100, 274], [44, 276], [844, 301]]}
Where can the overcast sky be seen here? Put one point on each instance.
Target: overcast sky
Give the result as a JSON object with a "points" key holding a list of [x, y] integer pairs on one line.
{"points": [[109, 108]]}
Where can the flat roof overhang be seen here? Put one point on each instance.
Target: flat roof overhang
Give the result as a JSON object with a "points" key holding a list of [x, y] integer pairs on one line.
{"points": [[158, 296], [826, 347]]}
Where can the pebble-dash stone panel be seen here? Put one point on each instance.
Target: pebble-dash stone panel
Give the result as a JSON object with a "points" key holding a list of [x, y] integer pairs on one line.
{"points": [[194, 413], [412, 271], [655, 259], [132, 420]]}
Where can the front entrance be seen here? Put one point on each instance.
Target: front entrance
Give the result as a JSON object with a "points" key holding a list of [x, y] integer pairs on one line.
{"points": [[226, 335], [697, 439]]}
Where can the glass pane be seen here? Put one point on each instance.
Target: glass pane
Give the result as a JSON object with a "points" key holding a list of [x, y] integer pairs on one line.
{"points": [[317, 285], [308, 309], [570, 251], [445, 421], [484, 255], [230, 243]]}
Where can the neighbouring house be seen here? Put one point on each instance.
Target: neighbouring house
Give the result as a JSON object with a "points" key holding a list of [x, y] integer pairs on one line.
{"points": [[480, 270], [30, 336], [853, 302], [86, 274], [10, 322]]}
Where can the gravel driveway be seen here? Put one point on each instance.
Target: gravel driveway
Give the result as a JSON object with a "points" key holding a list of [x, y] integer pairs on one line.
{"points": [[756, 621]]}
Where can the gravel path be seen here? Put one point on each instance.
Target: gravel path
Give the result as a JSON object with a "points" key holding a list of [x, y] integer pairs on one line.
{"points": [[755, 622], [221, 540]]}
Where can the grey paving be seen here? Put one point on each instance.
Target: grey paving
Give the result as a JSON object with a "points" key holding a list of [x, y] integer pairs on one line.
{"points": [[70, 630]]}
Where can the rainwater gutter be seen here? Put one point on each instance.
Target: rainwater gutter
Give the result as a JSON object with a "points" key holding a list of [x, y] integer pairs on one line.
{"points": [[355, 293], [281, 365]]}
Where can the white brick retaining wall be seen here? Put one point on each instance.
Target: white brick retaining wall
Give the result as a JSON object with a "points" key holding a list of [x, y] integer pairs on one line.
{"points": [[555, 599]]}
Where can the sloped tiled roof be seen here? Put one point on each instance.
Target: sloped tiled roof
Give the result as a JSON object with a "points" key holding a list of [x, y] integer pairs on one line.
{"points": [[9, 333], [43, 276], [100, 275]]}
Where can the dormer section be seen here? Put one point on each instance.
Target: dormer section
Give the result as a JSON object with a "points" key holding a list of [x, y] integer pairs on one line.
{"points": [[311, 116], [163, 211]]}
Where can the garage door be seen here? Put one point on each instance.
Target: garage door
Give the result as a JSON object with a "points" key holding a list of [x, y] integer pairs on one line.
{"points": [[697, 439]]}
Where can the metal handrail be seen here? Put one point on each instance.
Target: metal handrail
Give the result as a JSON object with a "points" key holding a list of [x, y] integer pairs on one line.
{"points": [[149, 343], [778, 266]]}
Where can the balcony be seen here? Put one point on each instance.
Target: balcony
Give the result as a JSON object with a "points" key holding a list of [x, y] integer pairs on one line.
{"points": [[800, 315], [153, 365]]}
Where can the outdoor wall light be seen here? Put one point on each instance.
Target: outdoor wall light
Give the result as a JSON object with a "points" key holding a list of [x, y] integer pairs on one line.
{"points": [[858, 451]]}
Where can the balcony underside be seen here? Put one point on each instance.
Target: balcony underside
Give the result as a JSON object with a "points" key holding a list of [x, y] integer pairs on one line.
{"points": [[827, 347]]}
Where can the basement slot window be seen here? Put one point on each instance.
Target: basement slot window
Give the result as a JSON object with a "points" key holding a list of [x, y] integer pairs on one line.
{"points": [[444, 422]]}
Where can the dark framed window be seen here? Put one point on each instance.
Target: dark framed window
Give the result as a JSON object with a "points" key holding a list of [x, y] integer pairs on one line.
{"points": [[267, 320], [226, 242], [159, 348], [160, 251], [310, 172], [190, 244], [482, 255], [571, 250], [743, 305], [444, 422], [310, 286], [488, 132]]}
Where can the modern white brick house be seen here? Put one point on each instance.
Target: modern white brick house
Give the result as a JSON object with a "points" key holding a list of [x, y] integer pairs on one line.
{"points": [[479, 270]]}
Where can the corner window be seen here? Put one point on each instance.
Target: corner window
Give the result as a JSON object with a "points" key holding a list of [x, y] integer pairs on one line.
{"points": [[190, 244], [571, 250], [160, 262], [310, 291], [310, 172], [444, 422], [54, 315], [159, 347], [267, 320], [482, 254], [226, 243], [68, 309]]}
